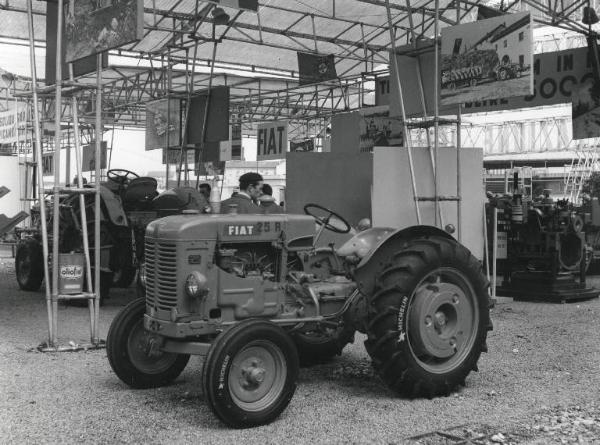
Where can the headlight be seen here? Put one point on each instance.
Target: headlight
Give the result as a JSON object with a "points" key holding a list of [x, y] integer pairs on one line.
{"points": [[142, 273], [196, 285]]}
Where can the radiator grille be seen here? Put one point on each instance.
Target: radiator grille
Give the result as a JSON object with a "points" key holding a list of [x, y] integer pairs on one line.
{"points": [[161, 274]]}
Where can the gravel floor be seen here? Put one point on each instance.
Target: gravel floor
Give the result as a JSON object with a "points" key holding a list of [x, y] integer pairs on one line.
{"points": [[539, 384]]}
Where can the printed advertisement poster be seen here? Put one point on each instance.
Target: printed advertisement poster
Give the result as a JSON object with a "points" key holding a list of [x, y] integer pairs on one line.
{"points": [[487, 59], [163, 124]]}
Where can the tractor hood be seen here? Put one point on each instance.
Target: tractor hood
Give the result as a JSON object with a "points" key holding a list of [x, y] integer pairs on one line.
{"points": [[232, 228]]}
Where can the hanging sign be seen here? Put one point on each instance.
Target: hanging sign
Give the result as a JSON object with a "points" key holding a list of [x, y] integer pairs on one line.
{"points": [[88, 163], [47, 164], [271, 141], [11, 121]]}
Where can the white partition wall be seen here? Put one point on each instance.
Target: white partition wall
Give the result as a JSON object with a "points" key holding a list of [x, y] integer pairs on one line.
{"points": [[393, 203]]}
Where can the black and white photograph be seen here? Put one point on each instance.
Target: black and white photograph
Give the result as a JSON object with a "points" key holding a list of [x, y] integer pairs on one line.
{"points": [[163, 124], [299, 222], [487, 59], [94, 26]]}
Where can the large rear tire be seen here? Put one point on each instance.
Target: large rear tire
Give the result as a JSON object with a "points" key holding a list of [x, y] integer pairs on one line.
{"points": [[29, 264], [430, 317], [130, 354], [250, 373]]}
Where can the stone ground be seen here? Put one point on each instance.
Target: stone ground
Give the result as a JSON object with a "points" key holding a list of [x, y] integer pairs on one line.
{"points": [[539, 384]]}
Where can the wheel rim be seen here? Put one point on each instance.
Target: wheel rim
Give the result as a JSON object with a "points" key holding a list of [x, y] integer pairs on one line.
{"points": [[257, 375], [144, 353], [443, 320]]}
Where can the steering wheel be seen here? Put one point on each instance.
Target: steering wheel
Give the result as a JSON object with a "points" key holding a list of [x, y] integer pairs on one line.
{"points": [[330, 220], [121, 176]]}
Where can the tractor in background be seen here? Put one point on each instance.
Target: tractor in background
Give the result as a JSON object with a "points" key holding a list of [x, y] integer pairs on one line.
{"points": [[128, 203]]}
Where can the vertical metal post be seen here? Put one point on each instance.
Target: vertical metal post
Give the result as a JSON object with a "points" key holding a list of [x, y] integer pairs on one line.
{"points": [[56, 189], [98, 164], [84, 226], [436, 117], [40, 174], [403, 111], [494, 252], [459, 168]]}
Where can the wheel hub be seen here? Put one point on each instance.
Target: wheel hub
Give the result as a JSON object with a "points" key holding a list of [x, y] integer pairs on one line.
{"points": [[440, 319], [257, 375]]}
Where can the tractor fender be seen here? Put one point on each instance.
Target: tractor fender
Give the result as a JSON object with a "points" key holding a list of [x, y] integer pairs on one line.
{"points": [[380, 254], [114, 207]]}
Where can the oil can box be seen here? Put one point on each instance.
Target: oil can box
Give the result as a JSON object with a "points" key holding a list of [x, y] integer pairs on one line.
{"points": [[70, 273]]}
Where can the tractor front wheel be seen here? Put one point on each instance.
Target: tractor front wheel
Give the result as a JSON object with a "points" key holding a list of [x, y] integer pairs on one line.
{"points": [[134, 356], [430, 318], [250, 373]]}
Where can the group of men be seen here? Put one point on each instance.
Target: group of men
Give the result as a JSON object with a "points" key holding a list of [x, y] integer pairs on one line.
{"points": [[253, 197]]}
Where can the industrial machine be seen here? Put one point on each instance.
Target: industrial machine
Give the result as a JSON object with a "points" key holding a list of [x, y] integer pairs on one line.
{"points": [[546, 251], [256, 298], [128, 202]]}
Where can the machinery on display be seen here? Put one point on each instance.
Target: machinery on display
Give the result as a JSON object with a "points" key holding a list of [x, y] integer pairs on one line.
{"points": [[546, 253], [129, 203], [256, 298]]}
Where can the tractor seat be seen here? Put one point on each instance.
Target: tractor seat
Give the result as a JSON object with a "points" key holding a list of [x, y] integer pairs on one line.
{"points": [[139, 190]]}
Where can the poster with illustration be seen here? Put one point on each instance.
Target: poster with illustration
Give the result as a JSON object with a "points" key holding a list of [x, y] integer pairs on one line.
{"points": [[487, 59]]}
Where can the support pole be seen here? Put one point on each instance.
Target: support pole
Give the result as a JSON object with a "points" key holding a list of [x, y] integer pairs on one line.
{"points": [[403, 111], [436, 118], [40, 174], [84, 226], [98, 164], [56, 194]]}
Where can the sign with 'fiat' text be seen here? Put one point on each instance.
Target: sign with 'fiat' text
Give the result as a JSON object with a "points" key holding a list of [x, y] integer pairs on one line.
{"points": [[271, 140]]}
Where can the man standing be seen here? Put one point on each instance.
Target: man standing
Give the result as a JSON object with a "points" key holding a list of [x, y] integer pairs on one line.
{"points": [[250, 190], [267, 202]]}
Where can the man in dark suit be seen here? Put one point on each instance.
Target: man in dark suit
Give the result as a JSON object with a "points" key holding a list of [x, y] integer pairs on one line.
{"points": [[267, 202], [250, 190]]}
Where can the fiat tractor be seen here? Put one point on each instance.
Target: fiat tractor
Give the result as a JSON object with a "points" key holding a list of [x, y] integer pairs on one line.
{"points": [[255, 297]]}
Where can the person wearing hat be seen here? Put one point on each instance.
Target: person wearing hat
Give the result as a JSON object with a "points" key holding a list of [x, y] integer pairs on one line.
{"points": [[250, 190], [267, 202]]}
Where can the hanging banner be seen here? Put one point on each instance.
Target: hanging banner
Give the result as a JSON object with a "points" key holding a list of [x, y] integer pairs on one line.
{"points": [[555, 77], [163, 124], [95, 26], [11, 121], [88, 158], [47, 164], [271, 140], [585, 110], [175, 155]]}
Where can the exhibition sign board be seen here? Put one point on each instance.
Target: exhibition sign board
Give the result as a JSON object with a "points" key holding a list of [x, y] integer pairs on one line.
{"points": [[487, 59], [163, 124], [174, 154], [556, 75], [271, 140], [11, 121], [377, 128], [217, 119], [88, 158], [95, 26]]}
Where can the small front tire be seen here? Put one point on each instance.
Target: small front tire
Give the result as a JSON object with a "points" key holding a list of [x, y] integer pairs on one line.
{"points": [[130, 354], [250, 373]]}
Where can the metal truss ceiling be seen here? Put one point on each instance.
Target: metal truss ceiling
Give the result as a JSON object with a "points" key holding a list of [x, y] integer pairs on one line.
{"points": [[262, 48]]}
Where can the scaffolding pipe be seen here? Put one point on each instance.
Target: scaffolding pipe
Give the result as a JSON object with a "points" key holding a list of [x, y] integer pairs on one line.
{"points": [[56, 197], [436, 117], [40, 174], [97, 165], [84, 227], [403, 111]]}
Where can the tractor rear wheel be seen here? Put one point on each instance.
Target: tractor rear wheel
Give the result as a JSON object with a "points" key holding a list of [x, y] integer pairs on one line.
{"points": [[29, 264], [430, 317], [319, 345], [132, 355], [250, 373]]}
